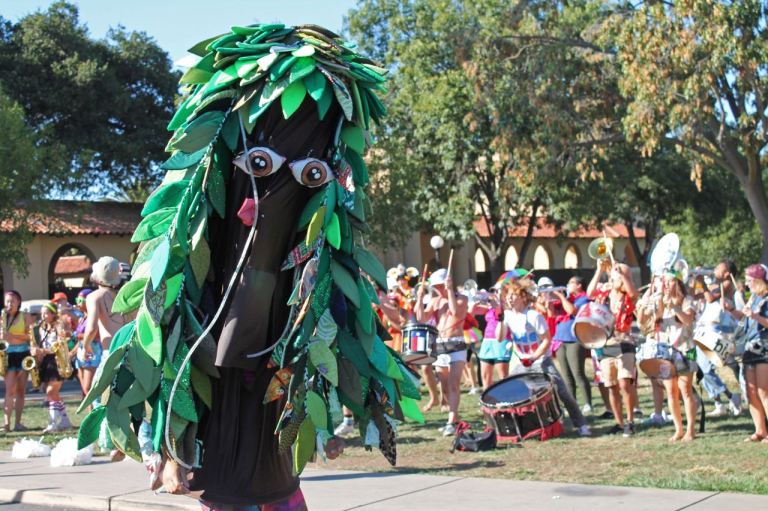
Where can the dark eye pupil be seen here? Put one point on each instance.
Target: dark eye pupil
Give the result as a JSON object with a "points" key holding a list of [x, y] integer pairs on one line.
{"points": [[260, 162]]}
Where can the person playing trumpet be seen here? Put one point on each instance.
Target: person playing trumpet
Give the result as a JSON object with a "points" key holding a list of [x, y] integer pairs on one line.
{"points": [[15, 327]]}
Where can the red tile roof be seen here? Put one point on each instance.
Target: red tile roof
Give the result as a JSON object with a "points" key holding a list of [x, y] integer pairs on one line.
{"points": [[545, 230], [61, 217], [70, 265]]}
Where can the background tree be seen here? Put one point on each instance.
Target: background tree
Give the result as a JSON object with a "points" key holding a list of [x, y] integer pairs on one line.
{"points": [[107, 102]]}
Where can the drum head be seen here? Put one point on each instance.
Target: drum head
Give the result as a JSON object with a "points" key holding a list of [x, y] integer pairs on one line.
{"points": [[710, 354], [418, 358], [658, 368], [589, 335], [514, 390]]}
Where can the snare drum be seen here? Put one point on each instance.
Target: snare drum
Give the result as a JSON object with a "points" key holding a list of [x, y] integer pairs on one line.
{"points": [[657, 359], [522, 407], [593, 325], [716, 342], [419, 344]]}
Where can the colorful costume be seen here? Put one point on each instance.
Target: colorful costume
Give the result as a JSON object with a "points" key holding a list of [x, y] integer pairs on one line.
{"points": [[251, 269]]}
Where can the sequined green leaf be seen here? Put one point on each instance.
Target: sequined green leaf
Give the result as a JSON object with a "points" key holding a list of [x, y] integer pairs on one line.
{"points": [[345, 282], [150, 336], [292, 98], [129, 297], [201, 384], [200, 260]]}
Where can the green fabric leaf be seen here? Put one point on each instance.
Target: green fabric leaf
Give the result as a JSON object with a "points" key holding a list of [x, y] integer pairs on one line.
{"points": [[153, 225], [278, 70], [173, 288], [325, 361], [200, 260], [366, 338], [194, 75], [371, 265], [354, 138], [330, 202], [305, 445], [165, 196], [200, 132], [344, 98], [183, 113], [407, 385], [159, 407], [379, 356], [317, 410], [230, 132], [90, 427], [359, 170], [135, 394], [129, 297], [327, 328], [150, 336], [104, 376], [173, 340], [350, 386], [154, 302], [222, 79], [160, 262], [244, 67], [146, 250], [316, 85], [364, 312], [313, 204], [315, 226], [305, 51], [410, 408], [265, 62], [292, 98], [181, 160], [324, 103], [346, 283], [119, 423], [333, 233], [144, 369], [122, 337], [201, 384], [302, 68]]}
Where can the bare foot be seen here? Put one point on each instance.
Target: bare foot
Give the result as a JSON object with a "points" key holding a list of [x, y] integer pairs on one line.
{"points": [[676, 437], [444, 408], [172, 478], [427, 407], [754, 437], [688, 438]]}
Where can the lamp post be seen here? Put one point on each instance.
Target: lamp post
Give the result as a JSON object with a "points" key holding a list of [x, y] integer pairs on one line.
{"points": [[437, 242]]}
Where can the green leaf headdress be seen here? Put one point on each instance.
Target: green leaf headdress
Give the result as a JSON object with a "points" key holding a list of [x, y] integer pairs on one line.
{"points": [[331, 351]]}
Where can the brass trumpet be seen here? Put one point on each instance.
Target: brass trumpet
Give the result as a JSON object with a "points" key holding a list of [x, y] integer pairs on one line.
{"points": [[601, 248], [29, 363]]}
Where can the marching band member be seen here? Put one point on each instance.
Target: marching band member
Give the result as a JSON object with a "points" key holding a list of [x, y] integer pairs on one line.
{"points": [[755, 357], [617, 362], [531, 339], [493, 354], [15, 328], [448, 309], [674, 326]]}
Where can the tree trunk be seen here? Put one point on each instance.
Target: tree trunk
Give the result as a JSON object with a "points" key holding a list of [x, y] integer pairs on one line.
{"points": [[758, 203], [532, 221], [496, 267], [641, 256]]}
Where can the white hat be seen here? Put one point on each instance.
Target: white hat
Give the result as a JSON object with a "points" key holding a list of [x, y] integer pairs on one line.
{"points": [[545, 282], [106, 271], [438, 277]]}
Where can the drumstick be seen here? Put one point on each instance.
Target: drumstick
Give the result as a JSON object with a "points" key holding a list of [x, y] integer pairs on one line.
{"points": [[423, 275], [450, 261]]}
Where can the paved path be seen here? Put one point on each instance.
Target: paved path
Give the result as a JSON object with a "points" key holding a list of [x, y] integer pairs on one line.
{"points": [[122, 487]]}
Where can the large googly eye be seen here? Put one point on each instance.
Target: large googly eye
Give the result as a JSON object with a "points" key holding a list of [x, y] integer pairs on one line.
{"points": [[263, 161], [311, 172]]}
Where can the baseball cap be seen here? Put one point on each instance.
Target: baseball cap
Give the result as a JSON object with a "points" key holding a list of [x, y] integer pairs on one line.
{"points": [[438, 277]]}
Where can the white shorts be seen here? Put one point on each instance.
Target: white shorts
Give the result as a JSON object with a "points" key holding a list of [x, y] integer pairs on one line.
{"points": [[446, 359]]}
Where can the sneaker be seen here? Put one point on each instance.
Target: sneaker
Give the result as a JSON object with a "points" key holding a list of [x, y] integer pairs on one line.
{"points": [[50, 428], [65, 424], [584, 431], [719, 411], [637, 412], [735, 404], [667, 417], [19, 427], [475, 390], [344, 429], [629, 429], [615, 429], [448, 430], [606, 415], [586, 409], [656, 419]]}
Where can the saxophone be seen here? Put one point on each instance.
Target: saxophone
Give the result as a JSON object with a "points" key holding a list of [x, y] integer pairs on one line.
{"points": [[3, 344], [29, 363], [60, 350]]}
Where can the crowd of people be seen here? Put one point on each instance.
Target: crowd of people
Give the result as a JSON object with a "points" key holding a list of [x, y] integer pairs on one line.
{"points": [[67, 340], [527, 325]]}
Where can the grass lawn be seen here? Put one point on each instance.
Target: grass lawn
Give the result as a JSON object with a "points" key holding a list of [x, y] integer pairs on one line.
{"points": [[717, 460]]}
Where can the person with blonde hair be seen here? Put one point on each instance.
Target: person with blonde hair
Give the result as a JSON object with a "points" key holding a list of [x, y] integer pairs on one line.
{"points": [[531, 341], [755, 359]]}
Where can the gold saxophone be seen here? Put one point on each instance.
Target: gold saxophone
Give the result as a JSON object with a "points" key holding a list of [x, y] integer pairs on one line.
{"points": [[61, 351], [29, 363], [3, 344]]}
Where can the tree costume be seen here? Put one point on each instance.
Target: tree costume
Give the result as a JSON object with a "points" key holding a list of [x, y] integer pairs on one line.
{"points": [[255, 320]]}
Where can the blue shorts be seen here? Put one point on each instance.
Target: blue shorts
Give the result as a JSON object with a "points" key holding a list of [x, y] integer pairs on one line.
{"points": [[492, 350], [92, 363]]}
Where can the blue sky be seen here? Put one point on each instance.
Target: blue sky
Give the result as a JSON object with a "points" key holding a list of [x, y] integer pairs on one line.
{"points": [[178, 24]]}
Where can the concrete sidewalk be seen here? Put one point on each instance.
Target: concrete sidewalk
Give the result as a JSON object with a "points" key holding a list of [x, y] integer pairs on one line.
{"points": [[105, 486]]}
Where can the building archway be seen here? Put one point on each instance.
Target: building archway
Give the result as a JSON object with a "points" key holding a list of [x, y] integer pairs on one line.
{"points": [[510, 258], [542, 260], [572, 259], [70, 269]]}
